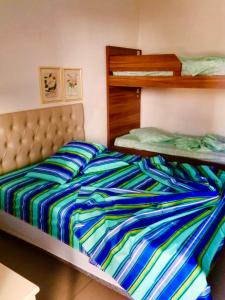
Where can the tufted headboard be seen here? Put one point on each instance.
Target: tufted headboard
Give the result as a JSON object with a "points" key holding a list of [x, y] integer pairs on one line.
{"points": [[30, 136]]}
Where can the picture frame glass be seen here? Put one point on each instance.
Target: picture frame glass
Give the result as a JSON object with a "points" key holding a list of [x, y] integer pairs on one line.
{"points": [[50, 84], [72, 84]]}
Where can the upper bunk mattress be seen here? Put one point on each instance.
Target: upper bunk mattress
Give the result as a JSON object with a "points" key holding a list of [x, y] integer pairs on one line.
{"points": [[191, 66]]}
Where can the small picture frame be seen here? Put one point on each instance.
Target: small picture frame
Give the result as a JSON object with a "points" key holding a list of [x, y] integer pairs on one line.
{"points": [[72, 84], [50, 84]]}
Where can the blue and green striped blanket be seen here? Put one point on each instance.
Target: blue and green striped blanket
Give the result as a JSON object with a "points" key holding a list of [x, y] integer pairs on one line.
{"points": [[155, 227]]}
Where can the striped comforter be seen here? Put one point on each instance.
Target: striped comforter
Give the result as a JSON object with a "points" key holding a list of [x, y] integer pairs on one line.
{"points": [[155, 228]]}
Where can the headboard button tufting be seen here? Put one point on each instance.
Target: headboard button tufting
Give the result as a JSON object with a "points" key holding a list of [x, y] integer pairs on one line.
{"points": [[30, 136]]}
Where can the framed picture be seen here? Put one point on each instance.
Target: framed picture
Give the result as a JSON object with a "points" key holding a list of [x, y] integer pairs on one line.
{"points": [[50, 84], [72, 84]]}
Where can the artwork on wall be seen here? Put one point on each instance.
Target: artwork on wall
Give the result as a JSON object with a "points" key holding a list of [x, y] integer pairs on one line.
{"points": [[50, 84], [72, 84], [58, 84]]}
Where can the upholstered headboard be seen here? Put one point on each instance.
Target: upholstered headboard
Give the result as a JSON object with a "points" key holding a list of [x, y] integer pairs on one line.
{"points": [[30, 136]]}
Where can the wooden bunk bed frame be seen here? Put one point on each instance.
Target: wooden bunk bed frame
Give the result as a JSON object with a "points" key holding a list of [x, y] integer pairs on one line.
{"points": [[124, 92]]}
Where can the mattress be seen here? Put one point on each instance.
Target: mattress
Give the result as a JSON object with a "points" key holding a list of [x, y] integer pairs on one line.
{"points": [[49, 206], [191, 66], [130, 141], [154, 226]]}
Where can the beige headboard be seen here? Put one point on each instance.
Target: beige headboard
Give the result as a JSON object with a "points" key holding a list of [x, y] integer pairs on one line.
{"points": [[30, 136]]}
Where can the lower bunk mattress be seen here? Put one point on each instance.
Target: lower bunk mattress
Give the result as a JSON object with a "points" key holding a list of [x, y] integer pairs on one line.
{"points": [[130, 141], [155, 227]]}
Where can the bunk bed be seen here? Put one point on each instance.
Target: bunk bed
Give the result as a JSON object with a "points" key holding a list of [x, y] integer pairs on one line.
{"points": [[125, 68]]}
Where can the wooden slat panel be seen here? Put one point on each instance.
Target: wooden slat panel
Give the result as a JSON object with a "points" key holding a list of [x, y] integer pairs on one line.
{"points": [[118, 51], [123, 104], [206, 82], [162, 62], [123, 112]]}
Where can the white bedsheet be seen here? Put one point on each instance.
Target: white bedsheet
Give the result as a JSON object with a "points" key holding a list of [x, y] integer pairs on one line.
{"points": [[129, 141]]}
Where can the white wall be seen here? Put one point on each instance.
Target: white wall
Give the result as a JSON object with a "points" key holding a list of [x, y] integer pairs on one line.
{"points": [[70, 33], [184, 27], [74, 33]]}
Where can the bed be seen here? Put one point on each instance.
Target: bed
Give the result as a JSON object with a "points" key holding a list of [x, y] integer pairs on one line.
{"points": [[137, 219], [129, 68], [190, 66], [192, 147], [124, 96], [28, 137]]}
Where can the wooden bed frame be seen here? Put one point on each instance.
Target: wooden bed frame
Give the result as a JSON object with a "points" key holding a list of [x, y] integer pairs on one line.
{"points": [[124, 59], [124, 92]]}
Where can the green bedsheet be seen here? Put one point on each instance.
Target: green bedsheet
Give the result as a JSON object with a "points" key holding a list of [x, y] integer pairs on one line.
{"points": [[210, 147]]}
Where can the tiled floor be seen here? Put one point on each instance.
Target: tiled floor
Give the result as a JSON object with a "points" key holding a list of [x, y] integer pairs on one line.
{"points": [[59, 281]]}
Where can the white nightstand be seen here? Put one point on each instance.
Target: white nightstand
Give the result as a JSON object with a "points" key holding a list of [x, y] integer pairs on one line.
{"points": [[15, 287]]}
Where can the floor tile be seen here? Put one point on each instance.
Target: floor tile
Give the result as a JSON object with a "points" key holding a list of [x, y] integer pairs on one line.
{"points": [[217, 279], [60, 281], [57, 280], [97, 291]]}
